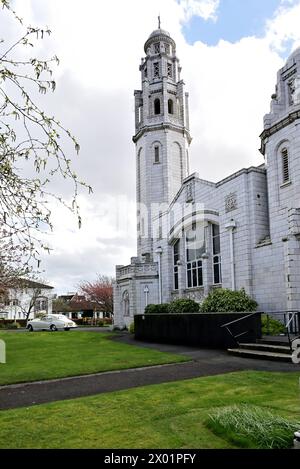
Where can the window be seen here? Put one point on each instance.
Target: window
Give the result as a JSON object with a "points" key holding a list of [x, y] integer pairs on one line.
{"points": [[156, 70], [125, 301], [157, 48], [170, 70], [195, 247], [15, 302], [41, 304], [285, 165], [156, 154], [157, 106], [176, 257], [170, 106], [167, 49], [216, 254]]}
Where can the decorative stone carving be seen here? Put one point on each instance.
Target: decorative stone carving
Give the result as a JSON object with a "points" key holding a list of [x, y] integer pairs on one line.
{"points": [[296, 90], [196, 295], [231, 202], [189, 196]]}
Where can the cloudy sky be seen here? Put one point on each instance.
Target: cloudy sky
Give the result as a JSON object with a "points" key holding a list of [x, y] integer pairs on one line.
{"points": [[230, 51]]}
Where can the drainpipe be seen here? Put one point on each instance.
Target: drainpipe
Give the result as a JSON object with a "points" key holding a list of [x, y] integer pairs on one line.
{"points": [[159, 253], [230, 227]]}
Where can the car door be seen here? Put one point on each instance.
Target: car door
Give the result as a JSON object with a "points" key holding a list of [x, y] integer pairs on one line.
{"points": [[47, 322], [37, 324]]}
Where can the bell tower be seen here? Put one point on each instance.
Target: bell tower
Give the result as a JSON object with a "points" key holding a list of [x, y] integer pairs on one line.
{"points": [[162, 136]]}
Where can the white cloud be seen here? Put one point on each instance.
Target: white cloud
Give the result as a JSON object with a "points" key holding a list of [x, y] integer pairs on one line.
{"points": [[206, 9], [283, 28]]}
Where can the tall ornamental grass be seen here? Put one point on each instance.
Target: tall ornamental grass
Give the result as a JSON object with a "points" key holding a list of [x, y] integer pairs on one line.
{"points": [[252, 427]]}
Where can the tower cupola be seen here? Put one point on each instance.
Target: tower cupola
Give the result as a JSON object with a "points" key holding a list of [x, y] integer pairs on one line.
{"points": [[162, 135], [160, 42]]}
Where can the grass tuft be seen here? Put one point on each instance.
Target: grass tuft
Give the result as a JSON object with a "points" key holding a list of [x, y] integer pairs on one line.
{"points": [[252, 427]]}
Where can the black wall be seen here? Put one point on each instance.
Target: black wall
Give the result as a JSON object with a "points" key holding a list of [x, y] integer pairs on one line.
{"points": [[201, 330]]}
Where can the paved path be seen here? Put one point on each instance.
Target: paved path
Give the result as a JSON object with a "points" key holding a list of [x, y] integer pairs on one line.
{"points": [[204, 363]]}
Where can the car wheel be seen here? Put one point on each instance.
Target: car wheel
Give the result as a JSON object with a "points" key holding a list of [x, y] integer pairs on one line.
{"points": [[30, 328], [53, 328]]}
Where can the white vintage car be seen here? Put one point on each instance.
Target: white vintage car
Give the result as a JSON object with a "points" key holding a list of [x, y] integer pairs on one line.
{"points": [[52, 322]]}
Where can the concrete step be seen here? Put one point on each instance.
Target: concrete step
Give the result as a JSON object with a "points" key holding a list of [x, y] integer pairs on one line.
{"points": [[274, 341], [267, 348], [263, 355]]}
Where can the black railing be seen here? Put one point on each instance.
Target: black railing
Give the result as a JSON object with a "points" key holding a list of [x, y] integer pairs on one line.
{"points": [[290, 321], [227, 326]]}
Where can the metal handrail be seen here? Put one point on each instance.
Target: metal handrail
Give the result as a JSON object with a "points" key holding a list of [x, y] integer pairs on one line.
{"points": [[287, 325], [240, 319], [226, 325], [293, 315]]}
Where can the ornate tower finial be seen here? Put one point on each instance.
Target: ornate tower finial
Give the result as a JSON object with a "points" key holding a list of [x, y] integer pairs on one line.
{"points": [[159, 22]]}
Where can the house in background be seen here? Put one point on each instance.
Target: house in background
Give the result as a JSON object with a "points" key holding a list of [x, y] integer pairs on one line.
{"points": [[76, 306], [24, 295]]}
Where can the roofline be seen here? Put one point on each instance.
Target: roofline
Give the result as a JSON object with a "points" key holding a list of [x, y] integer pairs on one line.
{"points": [[256, 169]]}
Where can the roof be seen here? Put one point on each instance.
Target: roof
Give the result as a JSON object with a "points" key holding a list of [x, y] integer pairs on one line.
{"points": [[295, 53], [27, 283], [159, 32]]}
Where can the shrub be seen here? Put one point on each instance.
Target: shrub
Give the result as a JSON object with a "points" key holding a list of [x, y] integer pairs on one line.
{"points": [[5, 323], [183, 305], [157, 309], [223, 300], [251, 426], [100, 323], [131, 328], [13, 325], [271, 326]]}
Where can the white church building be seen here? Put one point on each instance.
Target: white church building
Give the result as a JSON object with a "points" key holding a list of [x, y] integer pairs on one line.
{"points": [[195, 235]]}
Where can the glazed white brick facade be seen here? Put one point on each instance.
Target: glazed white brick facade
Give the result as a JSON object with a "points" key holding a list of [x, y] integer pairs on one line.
{"points": [[257, 209]]}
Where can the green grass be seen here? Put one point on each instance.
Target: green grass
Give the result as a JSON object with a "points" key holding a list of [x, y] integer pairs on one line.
{"points": [[45, 355], [171, 415]]}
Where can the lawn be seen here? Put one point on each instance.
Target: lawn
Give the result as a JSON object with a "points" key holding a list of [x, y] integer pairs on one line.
{"points": [[170, 415], [45, 355]]}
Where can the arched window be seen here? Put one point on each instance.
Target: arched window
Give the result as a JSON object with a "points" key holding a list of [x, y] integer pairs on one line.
{"points": [[285, 165], [170, 106], [157, 106], [125, 303], [156, 154]]}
